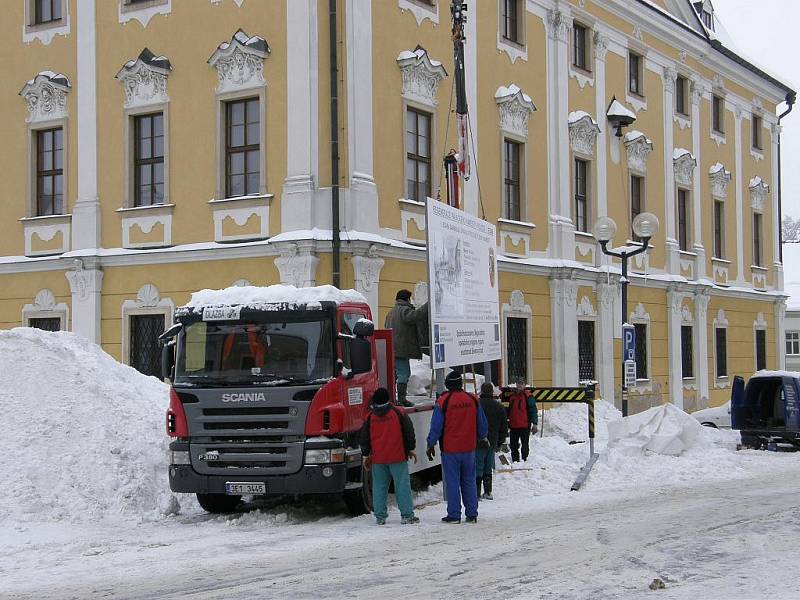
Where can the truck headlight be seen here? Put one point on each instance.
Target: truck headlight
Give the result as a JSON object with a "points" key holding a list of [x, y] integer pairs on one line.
{"points": [[179, 457], [318, 456]]}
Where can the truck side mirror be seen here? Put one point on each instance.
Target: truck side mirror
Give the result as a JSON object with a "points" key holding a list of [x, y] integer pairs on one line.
{"points": [[167, 360], [360, 355]]}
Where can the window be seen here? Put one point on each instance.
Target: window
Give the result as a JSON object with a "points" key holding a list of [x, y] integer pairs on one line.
{"points": [[45, 323], [586, 350], [242, 147], [145, 353], [758, 257], [708, 19], [681, 95], [418, 155], [721, 346], [580, 47], [687, 351], [635, 74], [509, 20], [511, 180], [683, 220], [718, 113], [581, 204], [348, 322], [148, 159], [641, 350], [46, 11], [719, 229], [50, 172], [756, 132], [637, 202], [761, 349], [793, 343], [517, 348]]}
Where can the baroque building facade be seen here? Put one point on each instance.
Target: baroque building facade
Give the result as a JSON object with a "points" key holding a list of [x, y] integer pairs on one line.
{"points": [[156, 147]]}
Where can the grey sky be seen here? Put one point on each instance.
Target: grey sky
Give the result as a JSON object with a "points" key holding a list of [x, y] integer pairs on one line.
{"points": [[766, 32]]}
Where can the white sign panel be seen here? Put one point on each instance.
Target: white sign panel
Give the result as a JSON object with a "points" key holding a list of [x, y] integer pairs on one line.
{"points": [[221, 313], [464, 302], [630, 373]]}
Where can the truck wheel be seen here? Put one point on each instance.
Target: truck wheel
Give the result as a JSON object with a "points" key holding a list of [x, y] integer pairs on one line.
{"points": [[359, 501], [218, 503]]}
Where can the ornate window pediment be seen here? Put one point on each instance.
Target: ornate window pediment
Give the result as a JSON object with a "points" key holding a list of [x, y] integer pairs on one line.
{"points": [[758, 193], [637, 146], [46, 95], [240, 62], [515, 108], [145, 79], [683, 164], [583, 130], [720, 177], [421, 75]]}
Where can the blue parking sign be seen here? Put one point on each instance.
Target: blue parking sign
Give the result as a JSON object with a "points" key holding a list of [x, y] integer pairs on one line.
{"points": [[628, 342]]}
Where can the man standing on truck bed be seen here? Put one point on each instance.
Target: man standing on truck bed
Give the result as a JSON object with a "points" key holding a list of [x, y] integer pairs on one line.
{"points": [[387, 443], [409, 336], [523, 418], [457, 423]]}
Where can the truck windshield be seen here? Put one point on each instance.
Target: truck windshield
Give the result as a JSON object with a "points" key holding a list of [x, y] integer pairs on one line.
{"points": [[258, 353]]}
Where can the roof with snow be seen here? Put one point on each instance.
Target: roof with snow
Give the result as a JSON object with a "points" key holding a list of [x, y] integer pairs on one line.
{"points": [[272, 297], [618, 109]]}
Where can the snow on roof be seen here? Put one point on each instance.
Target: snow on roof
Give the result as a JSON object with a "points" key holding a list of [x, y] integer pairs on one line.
{"points": [[418, 53], [253, 296], [635, 135], [792, 374], [512, 90], [577, 115], [757, 181], [618, 109], [57, 78], [716, 168], [678, 152]]}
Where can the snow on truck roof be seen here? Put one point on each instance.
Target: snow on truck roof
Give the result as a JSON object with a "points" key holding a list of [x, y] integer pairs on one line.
{"points": [[283, 295], [791, 374]]}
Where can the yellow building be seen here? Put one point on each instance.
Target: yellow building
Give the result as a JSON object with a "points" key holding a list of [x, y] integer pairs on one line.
{"points": [[155, 147]]}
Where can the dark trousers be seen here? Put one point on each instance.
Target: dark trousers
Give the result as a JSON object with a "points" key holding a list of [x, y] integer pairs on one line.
{"points": [[517, 436]]}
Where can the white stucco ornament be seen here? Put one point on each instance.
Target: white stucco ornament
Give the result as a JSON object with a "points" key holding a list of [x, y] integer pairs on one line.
{"points": [[421, 75], [145, 79], [515, 107], [637, 146], [46, 95], [719, 177], [758, 193], [240, 62], [683, 164], [583, 130]]}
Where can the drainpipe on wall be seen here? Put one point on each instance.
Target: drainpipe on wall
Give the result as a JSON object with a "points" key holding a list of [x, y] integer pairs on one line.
{"points": [[334, 60], [790, 99]]}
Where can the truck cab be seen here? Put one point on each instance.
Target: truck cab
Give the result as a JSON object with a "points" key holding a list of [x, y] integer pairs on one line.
{"points": [[268, 397], [767, 408]]}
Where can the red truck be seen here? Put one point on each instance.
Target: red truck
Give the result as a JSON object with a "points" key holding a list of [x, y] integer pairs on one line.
{"points": [[270, 387]]}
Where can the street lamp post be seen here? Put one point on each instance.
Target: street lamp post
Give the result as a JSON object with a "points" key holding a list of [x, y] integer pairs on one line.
{"points": [[645, 226]]}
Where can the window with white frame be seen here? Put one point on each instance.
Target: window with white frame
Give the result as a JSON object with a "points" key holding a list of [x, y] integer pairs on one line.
{"points": [[718, 114], [581, 190], [719, 229], [721, 351], [512, 179], [518, 336], [143, 320], [761, 349], [637, 200], [636, 73], [511, 23], [49, 144], [640, 319], [684, 216], [581, 40], [682, 96], [687, 351], [242, 147], [586, 356], [758, 247], [418, 154], [793, 343], [755, 127]]}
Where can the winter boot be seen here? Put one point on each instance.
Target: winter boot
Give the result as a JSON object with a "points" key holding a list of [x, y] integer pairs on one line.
{"points": [[478, 487], [401, 395], [487, 487]]}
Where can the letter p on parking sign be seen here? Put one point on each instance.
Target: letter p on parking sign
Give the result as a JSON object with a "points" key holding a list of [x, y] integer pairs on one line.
{"points": [[628, 343]]}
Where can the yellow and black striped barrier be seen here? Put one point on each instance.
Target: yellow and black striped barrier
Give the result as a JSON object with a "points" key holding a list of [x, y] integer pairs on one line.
{"points": [[583, 395]]}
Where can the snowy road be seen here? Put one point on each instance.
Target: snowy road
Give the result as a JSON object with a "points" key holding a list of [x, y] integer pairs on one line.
{"points": [[733, 539]]}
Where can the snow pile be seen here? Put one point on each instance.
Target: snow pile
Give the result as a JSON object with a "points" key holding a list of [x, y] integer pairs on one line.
{"points": [[83, 435], [250, 295], [664, 429], [419, 383], [571, 421]]}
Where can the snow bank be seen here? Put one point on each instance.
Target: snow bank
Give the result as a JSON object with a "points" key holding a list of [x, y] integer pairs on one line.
{"points": [[571, 421], [664, 429], [250, 295], [83, 435], [419, 383]]}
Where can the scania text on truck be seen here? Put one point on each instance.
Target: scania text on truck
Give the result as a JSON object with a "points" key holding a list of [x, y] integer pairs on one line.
{"points": [[270, 387]]}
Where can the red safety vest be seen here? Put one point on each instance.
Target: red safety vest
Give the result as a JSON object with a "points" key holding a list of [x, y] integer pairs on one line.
{"points": [[460, 412], [518, 411], [386, 438]]}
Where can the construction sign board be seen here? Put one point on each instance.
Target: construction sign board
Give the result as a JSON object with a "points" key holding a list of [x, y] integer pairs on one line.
{"points": [[463, 283]]}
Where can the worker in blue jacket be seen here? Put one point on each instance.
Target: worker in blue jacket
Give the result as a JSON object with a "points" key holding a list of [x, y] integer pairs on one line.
{"points": [[458, 424]]}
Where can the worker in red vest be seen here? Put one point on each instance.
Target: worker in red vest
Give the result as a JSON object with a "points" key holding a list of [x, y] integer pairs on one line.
{"points": [[523, 417], [458, 424], [387, 443]]}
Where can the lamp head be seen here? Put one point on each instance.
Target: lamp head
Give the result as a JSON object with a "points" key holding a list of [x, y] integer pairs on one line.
{"points": [[604, 229], [645, 225]]}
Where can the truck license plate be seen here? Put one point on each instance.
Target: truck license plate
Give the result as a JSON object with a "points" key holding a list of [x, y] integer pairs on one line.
{"points": [[233, 488]]}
